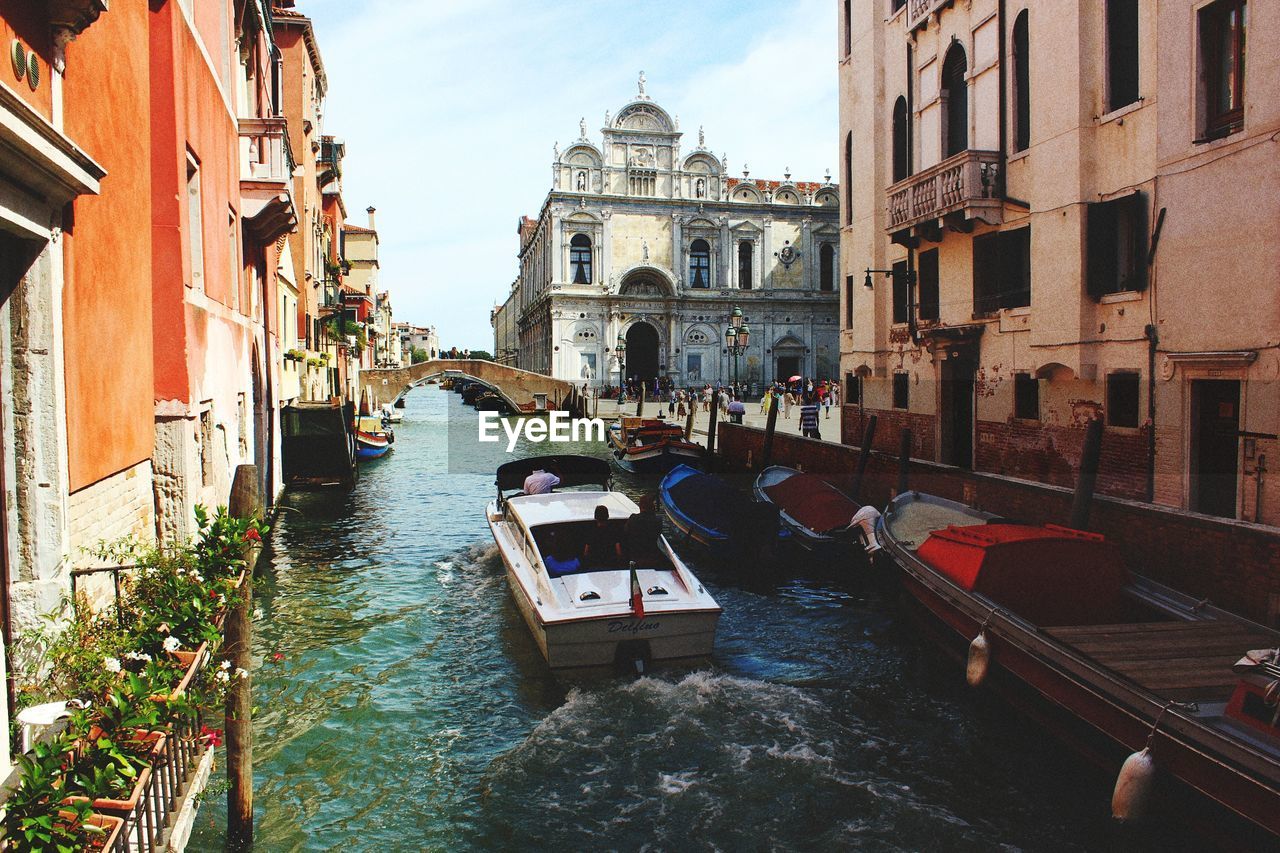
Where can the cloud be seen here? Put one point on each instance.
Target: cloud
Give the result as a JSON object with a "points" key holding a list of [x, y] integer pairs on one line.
{"points": [[450, 109]]}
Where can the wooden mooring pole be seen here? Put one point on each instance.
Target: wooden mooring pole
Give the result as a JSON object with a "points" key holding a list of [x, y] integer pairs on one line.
{"points": [[246, 502], [1088, 476], [711, 435], [688, 423], [770, 427], [864, 456], [640, 402]]}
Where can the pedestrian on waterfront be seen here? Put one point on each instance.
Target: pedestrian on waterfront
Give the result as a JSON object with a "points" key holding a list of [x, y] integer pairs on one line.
{"points": [[809, 417], [706, 398], [671, 402], [601, 544], [681, 411], [736, 410], [540, 482], [641, 531], [724, 400], [560, 560], [788, 400], [835, 395], [766, 400]]}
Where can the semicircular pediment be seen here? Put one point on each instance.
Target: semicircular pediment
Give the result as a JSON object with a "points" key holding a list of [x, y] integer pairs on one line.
{"points": [[644, 116]]}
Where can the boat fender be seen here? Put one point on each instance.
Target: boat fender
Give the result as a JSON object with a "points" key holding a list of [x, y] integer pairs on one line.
{"points": [[979, 660], [1133, 786]]}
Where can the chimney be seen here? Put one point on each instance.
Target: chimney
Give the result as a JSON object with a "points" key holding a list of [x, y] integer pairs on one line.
{"points": [[371, 211]]}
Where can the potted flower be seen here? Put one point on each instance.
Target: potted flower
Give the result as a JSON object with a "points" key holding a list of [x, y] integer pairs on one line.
{"points": [[35, 818]]}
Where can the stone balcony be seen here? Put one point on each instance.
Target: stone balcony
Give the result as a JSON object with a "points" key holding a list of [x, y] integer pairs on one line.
{"points": [[964, 184], [265, 153], [918, 11], [266, 178]]}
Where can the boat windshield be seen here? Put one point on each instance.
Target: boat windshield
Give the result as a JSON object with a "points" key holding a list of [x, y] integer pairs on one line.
{"points": [[577, 547]]}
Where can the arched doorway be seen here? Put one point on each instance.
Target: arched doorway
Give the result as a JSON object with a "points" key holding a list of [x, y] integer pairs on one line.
{"points": [[642, 352]]}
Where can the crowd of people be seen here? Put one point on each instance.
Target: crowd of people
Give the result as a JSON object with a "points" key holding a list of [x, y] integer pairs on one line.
{"points": [[812, 399]]}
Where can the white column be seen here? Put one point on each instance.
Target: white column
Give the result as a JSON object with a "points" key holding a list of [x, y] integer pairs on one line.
{"points": [[725, 275], [557, 250], [765, 276], [677, 246]]}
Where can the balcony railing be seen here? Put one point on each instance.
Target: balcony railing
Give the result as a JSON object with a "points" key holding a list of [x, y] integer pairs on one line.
{"points": [[918, 11], [265, 154], [965, 182], [330, 294]]}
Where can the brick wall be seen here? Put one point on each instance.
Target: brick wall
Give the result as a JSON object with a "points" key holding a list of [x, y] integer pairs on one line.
{"points": [[1047, 453], [112, 508], [889, 426], [1235, 564]]}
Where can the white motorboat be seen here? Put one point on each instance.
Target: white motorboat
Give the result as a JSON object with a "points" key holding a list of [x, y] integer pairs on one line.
{"points": [[628, 610], [391, 414]]}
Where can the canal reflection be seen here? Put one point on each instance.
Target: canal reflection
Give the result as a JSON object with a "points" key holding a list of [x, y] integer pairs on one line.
{"points": [[401, 703]]}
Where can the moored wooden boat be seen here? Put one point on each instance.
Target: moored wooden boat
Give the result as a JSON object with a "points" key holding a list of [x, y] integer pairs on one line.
{"points": [[721, 518], [372, 438], [651, 446], [1128, 660], [820, 517], [490, 401], [318, 448], [604, 612]]}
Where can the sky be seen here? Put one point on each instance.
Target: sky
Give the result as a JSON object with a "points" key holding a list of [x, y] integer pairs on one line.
{"points": [[450, 110]]}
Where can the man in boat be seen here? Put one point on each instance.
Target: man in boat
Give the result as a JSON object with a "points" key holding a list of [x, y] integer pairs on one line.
{"points": [[560, 559], [602, 547], [541, 482], [640, 535]]}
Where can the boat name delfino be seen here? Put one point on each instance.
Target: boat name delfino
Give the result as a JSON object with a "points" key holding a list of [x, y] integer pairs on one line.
{"points": [[558, 427], [631, 626]]}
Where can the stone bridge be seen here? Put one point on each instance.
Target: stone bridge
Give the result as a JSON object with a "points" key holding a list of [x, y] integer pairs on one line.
{"points": [[523, 390]]}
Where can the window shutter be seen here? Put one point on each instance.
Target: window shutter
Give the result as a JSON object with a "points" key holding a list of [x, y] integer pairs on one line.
{"points": [[1100, 248], [1141, 230], [986, 267]]}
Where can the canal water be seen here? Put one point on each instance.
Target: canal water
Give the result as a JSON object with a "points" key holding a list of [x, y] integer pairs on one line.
{"points": [[401, 703]]}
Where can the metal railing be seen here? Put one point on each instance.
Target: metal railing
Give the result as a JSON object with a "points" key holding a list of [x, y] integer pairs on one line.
{"points": [[966, 181]]}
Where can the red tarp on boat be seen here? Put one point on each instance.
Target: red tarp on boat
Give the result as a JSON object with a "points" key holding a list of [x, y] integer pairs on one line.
{"points": [[813, 502], [1049, 575]]}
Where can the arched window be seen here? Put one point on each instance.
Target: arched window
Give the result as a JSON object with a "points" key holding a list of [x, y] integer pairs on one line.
{"points": [[827, 267], [901, 142], [1021, 84], [580, 258], [955, 102], [744, 264], [848, 178], [699, 264]]}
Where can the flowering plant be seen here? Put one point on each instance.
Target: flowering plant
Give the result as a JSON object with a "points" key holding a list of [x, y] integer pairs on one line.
{"points": [[122, 665]]}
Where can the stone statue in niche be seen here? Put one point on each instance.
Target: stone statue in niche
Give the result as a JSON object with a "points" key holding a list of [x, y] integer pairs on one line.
{"points": [[644, 251], [700, 188], [582, 182]]}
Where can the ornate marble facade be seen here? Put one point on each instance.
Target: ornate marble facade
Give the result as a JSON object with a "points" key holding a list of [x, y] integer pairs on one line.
{"points": [[641, 241]]}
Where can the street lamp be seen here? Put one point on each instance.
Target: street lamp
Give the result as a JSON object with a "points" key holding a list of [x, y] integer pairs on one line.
{"points": [[736, 339], [621, 351]]}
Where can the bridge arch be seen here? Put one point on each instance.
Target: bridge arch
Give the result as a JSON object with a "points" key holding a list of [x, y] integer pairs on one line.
{"points": [[523, 390]]}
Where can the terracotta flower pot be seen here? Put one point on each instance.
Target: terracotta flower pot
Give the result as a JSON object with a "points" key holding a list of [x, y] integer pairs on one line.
{"points": [[109, 824], [124, 807], [192, 660]]}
